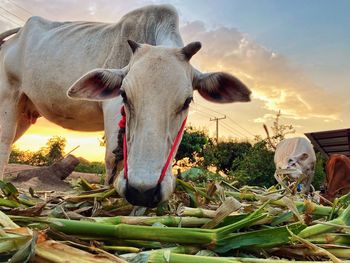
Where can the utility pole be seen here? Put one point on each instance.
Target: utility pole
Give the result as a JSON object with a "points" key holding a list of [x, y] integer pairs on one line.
{"points": [[217, 126]]}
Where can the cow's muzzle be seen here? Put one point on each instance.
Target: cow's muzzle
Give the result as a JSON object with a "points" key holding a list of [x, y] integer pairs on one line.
{"points": [[148, 198]]}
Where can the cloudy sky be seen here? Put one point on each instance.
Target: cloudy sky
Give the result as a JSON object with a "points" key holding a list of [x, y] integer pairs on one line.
{"points": [[294, 55]]}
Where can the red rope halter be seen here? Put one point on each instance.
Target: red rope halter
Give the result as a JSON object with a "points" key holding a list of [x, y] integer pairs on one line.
{"points": [[122, 125]]}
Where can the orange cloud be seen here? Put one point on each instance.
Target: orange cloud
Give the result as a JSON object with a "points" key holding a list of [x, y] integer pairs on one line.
{"points": [[275, 82], [272, 78]]}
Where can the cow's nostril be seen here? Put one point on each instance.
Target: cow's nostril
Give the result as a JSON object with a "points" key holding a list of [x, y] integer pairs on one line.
{"points": [[148, 198]]}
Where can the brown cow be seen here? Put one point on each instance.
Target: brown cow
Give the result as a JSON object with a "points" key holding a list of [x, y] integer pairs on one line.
{"points": [[338, 177]]}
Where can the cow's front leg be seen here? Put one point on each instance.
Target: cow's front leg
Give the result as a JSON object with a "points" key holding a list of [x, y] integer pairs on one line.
{"points": [[310, 173], [112, 166], [8, 123], [111, 118]]}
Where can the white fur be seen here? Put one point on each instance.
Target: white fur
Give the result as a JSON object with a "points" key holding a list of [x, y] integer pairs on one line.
{"points": [[296, 154], [45, 58]]}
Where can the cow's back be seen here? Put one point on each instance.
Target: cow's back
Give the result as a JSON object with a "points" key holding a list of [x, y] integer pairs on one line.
{"points": [[60, 52], [45, 58]]}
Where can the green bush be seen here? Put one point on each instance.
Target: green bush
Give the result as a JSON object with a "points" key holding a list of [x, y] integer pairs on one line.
{"points": [[199, 175], [223, 154], [320, 173], [91, 167], [17, 156], [193, 143], [256, 167], [52, 152]]}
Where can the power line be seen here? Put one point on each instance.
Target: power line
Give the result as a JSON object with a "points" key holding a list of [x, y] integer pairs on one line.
{"points": [[200, 113], [240, 126], [20, 7], [216, 119], [7, 11], [210, 114], [207, 114], [228, 128], [240, 134], [209, 109], [10, 20], [228, 118], [204, 115]]}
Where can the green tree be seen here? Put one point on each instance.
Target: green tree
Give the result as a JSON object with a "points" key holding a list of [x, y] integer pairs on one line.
{"points": [[192, 145], [256, 167], [54, 149], [279, 131], [37, 158], [90, 167], [223, 154], [52, 152], [16, 155], [320, 173]]}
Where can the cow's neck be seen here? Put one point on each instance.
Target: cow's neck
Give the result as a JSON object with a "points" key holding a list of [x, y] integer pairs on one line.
{"points": [[162, 36], [170, 38]]}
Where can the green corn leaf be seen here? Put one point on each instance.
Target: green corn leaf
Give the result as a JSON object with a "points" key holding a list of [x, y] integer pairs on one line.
{"points": [[258, 239], [26, 252]]}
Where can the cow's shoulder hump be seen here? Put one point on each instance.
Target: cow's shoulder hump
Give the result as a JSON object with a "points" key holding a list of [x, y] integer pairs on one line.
{"points": [[164, 11]]}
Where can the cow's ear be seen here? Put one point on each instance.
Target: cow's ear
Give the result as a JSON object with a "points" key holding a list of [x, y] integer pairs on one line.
{"points": [[98, 84], [220, 87], [302, 157]]}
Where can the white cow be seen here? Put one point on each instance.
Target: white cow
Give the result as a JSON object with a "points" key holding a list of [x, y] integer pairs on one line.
{"points": [[296, 154], [94, 63]]}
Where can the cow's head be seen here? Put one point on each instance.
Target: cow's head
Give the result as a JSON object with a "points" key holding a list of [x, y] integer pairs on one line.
{"points": [[296, 165], [157, 88]]}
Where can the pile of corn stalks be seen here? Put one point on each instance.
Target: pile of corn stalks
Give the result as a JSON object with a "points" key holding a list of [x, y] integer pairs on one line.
{"points": [[212, 223]]}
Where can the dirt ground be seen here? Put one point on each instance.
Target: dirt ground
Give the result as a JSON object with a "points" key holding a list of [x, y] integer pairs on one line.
{"points": [[45, 184]]}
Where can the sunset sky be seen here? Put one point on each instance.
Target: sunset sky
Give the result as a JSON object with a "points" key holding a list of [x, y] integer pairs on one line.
{"points": [[294, 56]]}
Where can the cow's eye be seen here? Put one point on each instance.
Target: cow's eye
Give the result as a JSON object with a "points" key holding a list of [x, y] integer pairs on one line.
{"points": [[123, 94], [187, 103]]}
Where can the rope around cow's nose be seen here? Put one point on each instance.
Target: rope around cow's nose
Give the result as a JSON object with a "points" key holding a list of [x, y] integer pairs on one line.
{"points": [[122, 125]]}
